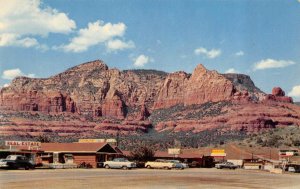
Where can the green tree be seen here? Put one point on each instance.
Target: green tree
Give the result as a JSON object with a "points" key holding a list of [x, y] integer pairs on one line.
{"points": [[143, 152]]}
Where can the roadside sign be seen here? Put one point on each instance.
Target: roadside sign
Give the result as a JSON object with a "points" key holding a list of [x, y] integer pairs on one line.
{"points": [[174, 151], [218, 153], [89, 140]]}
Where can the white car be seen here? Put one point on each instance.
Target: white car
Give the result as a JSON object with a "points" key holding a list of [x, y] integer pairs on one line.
{"points": [[161, 164], [119, 163]]}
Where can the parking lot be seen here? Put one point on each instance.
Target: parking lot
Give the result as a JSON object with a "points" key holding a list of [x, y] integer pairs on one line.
{"points": [[145, 178]]}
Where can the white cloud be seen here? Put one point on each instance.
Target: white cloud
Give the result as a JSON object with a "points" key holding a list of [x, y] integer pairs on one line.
{"points": [[295, 92], [213, 53], [141, 60], [10, 39], [116, 44], [231, 70], [20, 20], [6, 85], [26, 17], [239, 53], [271, 63], [12, 73], [96, 33]]}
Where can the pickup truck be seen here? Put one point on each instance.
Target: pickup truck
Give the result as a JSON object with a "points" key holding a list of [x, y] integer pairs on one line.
{"points": [[227, 165], [16, 162], [119, 163], [160, 164]]}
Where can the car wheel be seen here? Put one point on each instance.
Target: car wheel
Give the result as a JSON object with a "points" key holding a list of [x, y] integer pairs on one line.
{"points": [[125, 167], [148, 167], [166, 168], [106, 166], [26, 167]]}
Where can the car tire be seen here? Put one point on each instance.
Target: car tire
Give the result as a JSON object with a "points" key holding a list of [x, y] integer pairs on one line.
{"points": [[106, 167], [148, 167], [166, 168], [26, 167], [125, 167]]}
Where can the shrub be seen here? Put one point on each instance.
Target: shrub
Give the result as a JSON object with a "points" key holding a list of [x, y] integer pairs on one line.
{"points": [[143, 153]]}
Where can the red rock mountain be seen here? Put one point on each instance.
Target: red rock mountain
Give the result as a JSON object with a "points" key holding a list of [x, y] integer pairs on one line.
{"points": [[93, 98]]}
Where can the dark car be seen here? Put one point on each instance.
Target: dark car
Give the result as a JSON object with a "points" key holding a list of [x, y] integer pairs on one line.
{"points": [[16, 162]]}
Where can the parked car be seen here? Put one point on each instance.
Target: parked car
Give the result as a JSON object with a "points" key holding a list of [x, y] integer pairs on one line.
{"points": [[227, 165], [16, 162], [179, 164], [160, 164], [119, 163], [293, 168]]}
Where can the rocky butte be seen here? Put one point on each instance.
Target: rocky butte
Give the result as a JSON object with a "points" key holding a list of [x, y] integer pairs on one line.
{"points": [[92, 98]]}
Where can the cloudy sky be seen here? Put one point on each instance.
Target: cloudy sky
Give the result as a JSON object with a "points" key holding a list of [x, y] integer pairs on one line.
{"points": [[40, 38]]}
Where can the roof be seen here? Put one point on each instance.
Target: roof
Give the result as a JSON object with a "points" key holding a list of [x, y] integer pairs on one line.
{"points": [[165, 154], [184, 154], [73, 147]]}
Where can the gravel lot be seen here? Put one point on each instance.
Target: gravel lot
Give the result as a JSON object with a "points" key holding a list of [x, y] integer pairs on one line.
{"points": [[144, 178]]}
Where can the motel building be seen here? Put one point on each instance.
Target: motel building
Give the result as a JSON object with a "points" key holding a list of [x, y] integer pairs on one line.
{"points": [[64, 155]]}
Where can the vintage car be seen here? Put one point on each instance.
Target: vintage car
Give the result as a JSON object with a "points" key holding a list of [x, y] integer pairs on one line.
{"points": [[119, 163], [227, 165], [179, 164], [16, 162], [161, 164]]}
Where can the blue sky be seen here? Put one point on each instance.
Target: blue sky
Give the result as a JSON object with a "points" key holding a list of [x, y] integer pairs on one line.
{"points": [[40, 38]]}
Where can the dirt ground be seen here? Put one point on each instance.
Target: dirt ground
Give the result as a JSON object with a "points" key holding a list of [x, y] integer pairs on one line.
{"points": [[144, 178]]}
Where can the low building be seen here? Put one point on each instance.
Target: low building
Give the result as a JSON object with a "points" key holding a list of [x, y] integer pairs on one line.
{"points": [[91, 154], [253, 164]]}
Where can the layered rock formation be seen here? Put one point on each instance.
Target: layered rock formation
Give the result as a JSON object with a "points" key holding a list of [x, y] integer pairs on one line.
{"points": [[278, 95], [117, 100]]}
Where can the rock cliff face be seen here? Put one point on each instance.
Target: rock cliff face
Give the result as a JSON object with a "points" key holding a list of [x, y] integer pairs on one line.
{"points": [[130, 101]]}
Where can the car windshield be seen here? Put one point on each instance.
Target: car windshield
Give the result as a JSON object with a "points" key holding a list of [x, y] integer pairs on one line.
{"points": [[174, 161], [11, 157], [121, 159]]}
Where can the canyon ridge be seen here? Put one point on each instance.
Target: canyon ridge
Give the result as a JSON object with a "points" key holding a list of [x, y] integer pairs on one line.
{"points": [[91, 99]]}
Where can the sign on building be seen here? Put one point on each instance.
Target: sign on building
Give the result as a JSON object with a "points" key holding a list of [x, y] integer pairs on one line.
{"points": [[92, 140], [23, 143], [174, 151], [89, 140], [111, 140], [218, 153], [288, 153]]}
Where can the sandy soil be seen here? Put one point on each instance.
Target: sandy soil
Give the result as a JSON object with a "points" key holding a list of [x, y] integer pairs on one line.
{"points": [[143, 178]]}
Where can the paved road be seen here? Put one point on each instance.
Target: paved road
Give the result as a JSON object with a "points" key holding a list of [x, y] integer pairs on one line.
{"points": [[144, 178]]}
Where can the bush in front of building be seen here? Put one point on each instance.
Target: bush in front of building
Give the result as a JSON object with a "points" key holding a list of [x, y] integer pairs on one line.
{"points": [[142, 153]]}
